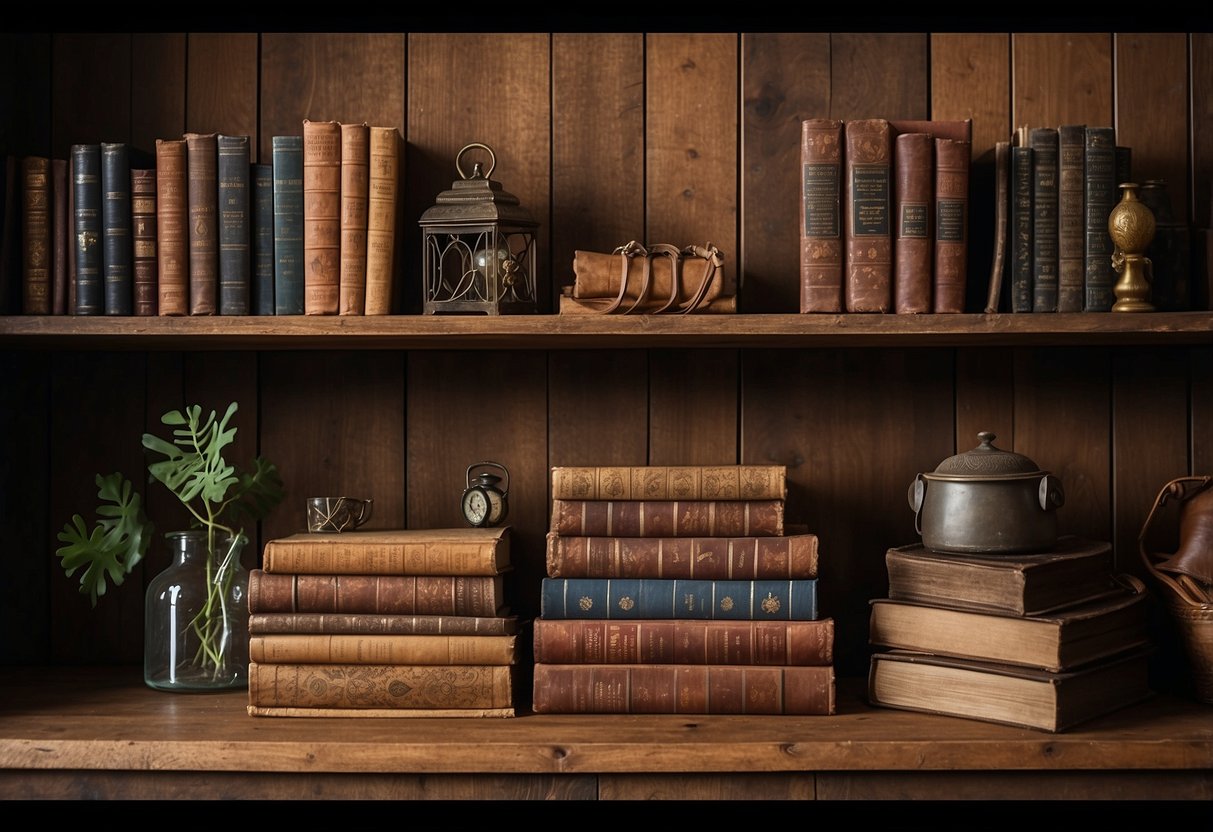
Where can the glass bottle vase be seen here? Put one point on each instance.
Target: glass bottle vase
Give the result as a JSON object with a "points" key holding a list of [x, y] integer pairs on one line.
{"points": [[196, 616]]}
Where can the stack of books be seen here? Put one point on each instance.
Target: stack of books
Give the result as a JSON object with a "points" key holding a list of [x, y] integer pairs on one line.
{"points": [[673, 589], [1043, 640], [396, 623]]}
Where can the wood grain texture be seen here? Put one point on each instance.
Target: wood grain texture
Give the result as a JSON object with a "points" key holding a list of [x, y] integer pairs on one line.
{"points": [[91, 90], [598, 180], [1201, 413], [25, 88], [971, 78], [693, 407], [878, 75], [985, 399], [785, 80], [731, 786], [158, 89], [1061, 79], [1200, 174], [598, 404], [221, 85], [165, 373]]}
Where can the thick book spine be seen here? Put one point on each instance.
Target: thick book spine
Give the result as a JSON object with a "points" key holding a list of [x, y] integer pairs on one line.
{"points": [[1021, 229], [326, 648], [60, 236], [235, 263], [202, 159], [633, 598], [86, 182], [143, 239], [667, 518], [682, 689], [383, 193], [1002, 208], [914, 235], [172, 228], [669, 482], [321, 216], [951, 224], [367, 624], [1043, 141], [379, 594], [359, 686], [355, 174], [1100, 183], [116, 253], [867, 227], [1071, 140], [288, 225], [680, 641], [262, 241], [36, 235], [709, 558], [821, 249], [337, 557]]}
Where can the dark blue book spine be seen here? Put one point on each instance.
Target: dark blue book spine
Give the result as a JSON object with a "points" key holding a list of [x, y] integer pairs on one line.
{"points": [[631, 598], [263, 239], [86, 184], [234, 226], [116, 247], [288, 225]]}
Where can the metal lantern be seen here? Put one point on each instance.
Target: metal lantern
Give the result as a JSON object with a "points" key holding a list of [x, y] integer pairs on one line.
{"points": [[478, 246]]}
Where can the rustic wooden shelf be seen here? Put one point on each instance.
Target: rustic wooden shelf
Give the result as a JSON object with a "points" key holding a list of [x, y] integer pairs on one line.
{"points": [[419, 332]]}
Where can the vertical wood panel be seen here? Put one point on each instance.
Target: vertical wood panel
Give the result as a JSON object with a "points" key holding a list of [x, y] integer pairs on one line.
{"points": [[25, 93], [598, 407], [91, 93], [785, 80], [165, 393], [732, 786], [1200, 172], [1201, 416], [693, 409], [984, 397], [158, 90], [1061, 79], [878, 75], [221, 94]]}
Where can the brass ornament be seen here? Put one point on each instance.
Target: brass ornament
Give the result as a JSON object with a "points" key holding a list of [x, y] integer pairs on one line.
{"points": [[1131, 225]]}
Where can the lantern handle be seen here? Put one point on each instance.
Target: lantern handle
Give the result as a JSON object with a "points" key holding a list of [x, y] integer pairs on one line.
{"points": [[476, 465], [484, 147]]}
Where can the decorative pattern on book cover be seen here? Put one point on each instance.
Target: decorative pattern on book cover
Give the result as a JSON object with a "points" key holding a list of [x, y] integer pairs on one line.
{"points": [[669, 482], [441, 552], [867, 230], [202, 159], [382, 195], [36, 235], [951, 224], [709, 558], [633, 598], [235, 263], [172, 228], [355, 186], [60, 236], [821, 255], [1071, 223], [116, 258], [380, 686], [86, 183], [143, 237], [368, 624], [682, 689], [1021, 229], [668, 518], [321, 216], [476, 595], [914, 239], [1101, 197], [1002, 209], [288, 225], [1043, 141], [680, 641], [262, 240], [329, 648]]}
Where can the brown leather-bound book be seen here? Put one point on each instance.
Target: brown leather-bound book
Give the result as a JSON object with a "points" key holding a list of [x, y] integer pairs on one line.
{"points": [[867, 226], [369, 624], [36, 235], [821, 254], [143, 234], [1071, 218], [914, 235], [380, 686], [321, 217], [355, 172], [787, 556], [951, 224], [382, 594], [682, 689], [329, 648], [570, 305], [1002, 211], [202, 197], [669, 482], [60, 236], [383, 194], [668, 518], [599, 275], [71, 243], [684, 641], [172, 228], [461, 551]]}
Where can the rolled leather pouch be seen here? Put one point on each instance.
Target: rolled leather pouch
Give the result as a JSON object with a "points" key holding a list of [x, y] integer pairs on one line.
{"points": [[658, 279]]}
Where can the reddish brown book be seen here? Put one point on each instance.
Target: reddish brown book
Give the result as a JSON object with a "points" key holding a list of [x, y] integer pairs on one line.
{"points": [[820, 215], [682, 689], [349, 648], [445, 552], [669, 482], [36, 235], [720, 558], [667, 518], [951, 224], [914, 237], [59, 236], [355, 172], [867, 226], [71, 245], [143, 235], [321, 217], [381, 594], [202, 202], [679, 641], [367, 623], [172, 232], [383, 193]]}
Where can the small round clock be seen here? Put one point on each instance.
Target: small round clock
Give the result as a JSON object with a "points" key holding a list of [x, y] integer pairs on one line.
{"points": [[484, 503]]}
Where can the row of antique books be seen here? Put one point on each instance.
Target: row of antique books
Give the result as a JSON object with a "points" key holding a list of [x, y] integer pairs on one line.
{"points": [[674, 589], [1044, 640], [200, 230]]}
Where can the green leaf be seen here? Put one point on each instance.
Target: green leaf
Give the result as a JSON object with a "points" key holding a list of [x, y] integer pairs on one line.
{"points": [[116, 544], [258, 492]]}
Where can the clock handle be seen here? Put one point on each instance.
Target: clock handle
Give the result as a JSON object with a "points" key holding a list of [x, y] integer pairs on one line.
{"points": [[505, 491]]}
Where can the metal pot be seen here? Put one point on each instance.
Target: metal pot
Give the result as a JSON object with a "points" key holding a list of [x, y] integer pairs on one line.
{"points": [[986, 501]]}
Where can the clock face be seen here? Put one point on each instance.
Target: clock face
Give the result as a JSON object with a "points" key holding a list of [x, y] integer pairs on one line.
{"points": [[475, 507]]}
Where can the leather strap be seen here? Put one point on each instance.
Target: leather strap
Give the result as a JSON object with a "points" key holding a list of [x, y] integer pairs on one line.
{"points": [[633, 250]]}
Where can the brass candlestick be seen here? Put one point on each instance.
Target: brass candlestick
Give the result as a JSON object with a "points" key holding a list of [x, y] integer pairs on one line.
{"points": [[1131, 225]]}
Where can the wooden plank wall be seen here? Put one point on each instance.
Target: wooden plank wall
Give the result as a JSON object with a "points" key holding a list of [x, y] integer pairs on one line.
{"points": [[681, 138]]}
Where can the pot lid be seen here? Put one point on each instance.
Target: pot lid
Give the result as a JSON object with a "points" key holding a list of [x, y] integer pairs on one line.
{"points": [[987, 462]]}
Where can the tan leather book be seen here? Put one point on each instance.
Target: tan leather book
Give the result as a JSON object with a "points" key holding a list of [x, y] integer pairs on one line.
{"points": [[867, 227], [355, 173], [821, 254], [202, 198], [172, 228], [914, 209], [480, 595], [951, 224], [459, 551], [370, 624], [143, 237], [721, 558], [669, 482], [668, 518], [601, 275], [360, 686], [60, 236], [321, 217], [36, 235], [383, 194], [329, 648]]}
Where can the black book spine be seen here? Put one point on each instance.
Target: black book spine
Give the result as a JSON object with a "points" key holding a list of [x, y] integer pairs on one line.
{"points": [[1021, 229], [117, 260], [263, 239], [234, 263], [86, 184], [1100, 183], [288, 225], [1043, 141]]}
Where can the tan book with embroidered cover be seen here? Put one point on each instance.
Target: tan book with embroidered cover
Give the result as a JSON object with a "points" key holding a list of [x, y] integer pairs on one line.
{"points": [[321, 217]]}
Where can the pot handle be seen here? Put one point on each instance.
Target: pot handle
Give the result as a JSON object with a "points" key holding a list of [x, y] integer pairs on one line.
{"points": [[917, 496], [1051, 494]]}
